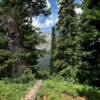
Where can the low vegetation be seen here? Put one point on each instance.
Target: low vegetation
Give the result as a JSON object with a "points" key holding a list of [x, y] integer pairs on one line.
{"points": [[14, 91], [59, 89]]}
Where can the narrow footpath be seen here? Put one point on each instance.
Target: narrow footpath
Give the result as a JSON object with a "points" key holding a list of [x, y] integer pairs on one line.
{"points": [[31, 95]]}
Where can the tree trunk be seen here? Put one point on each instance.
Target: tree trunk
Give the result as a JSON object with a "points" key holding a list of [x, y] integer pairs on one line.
{"points": [[13, 38]]}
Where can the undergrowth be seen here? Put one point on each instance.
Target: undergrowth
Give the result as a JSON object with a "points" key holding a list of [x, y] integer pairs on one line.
{"points": [[14, 91], [54, 89]]}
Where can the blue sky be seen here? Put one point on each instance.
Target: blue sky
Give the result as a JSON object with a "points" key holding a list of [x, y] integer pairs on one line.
{"points": [[46, 23]]}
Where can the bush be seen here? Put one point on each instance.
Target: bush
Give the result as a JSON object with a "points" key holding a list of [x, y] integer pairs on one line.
{"points": [[25, 77], [42, 74]]}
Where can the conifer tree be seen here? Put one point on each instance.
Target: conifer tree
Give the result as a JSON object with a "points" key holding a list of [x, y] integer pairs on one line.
{"points": [[18, 50], [90, 43], [65, 34]]}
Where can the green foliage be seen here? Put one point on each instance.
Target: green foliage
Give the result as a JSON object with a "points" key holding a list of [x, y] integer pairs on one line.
{"points": [[2, 39], [89, 70], [13, 91], [55, 88], [76, 42], [63, 41], [18, 36], [42, 73], [25, 77], [5, 53]]}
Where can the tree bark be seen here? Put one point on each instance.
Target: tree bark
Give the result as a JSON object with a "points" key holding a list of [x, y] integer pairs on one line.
{"points": [[13, 39]]}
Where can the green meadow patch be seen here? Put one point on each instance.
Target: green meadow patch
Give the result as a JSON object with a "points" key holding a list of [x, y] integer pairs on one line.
{"points": [[58, 89], [14, 91]]}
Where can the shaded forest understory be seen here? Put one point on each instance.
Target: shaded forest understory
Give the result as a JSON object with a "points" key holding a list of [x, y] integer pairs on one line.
{"points": [[74, 69]]}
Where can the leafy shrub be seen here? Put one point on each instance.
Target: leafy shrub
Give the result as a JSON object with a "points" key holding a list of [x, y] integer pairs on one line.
{"points": [[41, 72], [25, 77]]}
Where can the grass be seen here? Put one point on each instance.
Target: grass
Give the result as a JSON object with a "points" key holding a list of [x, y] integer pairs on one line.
{"points": [[14, 91], [56, 89]]}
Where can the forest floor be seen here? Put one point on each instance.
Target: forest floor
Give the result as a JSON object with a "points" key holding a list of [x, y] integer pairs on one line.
{"points": [[61, 90], [51, 89]]}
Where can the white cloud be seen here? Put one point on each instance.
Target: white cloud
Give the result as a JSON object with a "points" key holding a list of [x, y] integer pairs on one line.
{"points": [[78, 10], [45, 22], [35, 21], [50, 21]]}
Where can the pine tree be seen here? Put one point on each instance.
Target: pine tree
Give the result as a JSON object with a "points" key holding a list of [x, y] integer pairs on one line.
{"points": [[89, 42], [19, 51], [65, 31]]}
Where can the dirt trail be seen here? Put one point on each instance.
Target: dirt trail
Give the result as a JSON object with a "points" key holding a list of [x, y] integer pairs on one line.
{"points": [[31, 95]]}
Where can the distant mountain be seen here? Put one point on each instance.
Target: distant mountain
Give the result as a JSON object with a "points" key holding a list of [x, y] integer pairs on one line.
{"points": [[44, 61]]}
